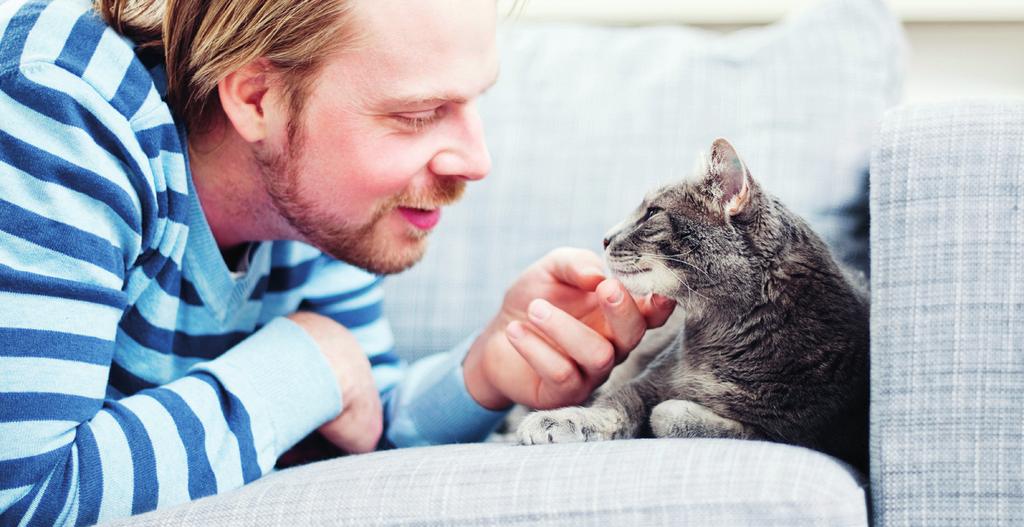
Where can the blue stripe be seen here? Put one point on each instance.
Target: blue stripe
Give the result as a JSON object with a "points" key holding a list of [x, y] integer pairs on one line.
{"points": [[238, 421], [56, 496], [125, 381], [90, 476], [321, 302], [81, 43], [163, 137], [23, 282], [12, 45], [14, 515], [144, 497], [54, 345], [260, 289], [189, 294], [176, 206], [360, 316], [63, 108], [35, 406], [132, 91], [388, 357], [177, 342], [23, 471], [288, 278], [168, 276], [201, 480], [157, 266], [45, 166], [61, 238], [153, 59]]}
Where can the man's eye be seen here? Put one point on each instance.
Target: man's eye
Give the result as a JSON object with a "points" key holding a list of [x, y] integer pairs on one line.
{"points": [[416, 121]]}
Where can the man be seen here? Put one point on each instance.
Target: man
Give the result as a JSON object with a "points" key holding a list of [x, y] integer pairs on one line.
{"points": [[191, 227]]}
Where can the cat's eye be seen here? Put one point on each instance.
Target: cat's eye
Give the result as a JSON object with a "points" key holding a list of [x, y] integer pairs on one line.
{"points": [[651, 211]]}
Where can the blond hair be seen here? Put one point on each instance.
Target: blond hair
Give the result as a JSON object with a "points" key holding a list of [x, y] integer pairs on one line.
{"points": [[204, 40]]}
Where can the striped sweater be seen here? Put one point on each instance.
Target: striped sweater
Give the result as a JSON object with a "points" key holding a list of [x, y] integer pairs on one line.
{"points": [[137, 371]]}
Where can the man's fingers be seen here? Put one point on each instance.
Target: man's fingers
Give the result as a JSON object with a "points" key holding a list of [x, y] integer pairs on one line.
{"points": [[549, 364], [576, 267], [656, 309], [625, 321], [594, 354]]}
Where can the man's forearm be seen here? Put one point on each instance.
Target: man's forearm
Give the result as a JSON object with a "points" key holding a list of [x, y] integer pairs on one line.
{"points": [[219, 427]]}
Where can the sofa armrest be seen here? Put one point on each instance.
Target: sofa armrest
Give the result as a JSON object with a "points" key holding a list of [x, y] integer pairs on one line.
{"points": [[947, 315]]}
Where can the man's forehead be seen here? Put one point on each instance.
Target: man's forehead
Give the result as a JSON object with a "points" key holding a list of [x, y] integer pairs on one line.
{"points": [[416, 52], [425, 28]]}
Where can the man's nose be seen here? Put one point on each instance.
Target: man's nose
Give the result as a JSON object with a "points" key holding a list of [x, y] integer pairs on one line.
{"points": [[467, 156]]}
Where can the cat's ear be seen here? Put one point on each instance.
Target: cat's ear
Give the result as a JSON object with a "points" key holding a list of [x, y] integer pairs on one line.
{"points": [[728, 177]]}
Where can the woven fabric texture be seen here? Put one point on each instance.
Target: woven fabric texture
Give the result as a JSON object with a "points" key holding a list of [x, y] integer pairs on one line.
{"points": [[947, 241], [635, 482]]}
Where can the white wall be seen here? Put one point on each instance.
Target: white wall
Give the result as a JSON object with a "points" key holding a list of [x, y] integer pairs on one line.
{"points": [[965, 59], [959, 47]]}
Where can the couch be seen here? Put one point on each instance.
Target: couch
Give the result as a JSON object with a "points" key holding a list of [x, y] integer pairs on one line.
{"points": [[947, 405], [584, 121]]}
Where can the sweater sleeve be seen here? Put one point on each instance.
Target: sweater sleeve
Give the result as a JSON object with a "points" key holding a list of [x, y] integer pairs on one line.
{"points": [[77, 211], [425, 402]]}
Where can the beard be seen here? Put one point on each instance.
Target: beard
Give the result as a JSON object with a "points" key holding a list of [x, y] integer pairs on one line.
{"points": [[370, 245]]}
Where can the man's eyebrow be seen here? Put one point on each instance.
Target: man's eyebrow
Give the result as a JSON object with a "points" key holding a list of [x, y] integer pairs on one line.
{"points": [[427, 100]]}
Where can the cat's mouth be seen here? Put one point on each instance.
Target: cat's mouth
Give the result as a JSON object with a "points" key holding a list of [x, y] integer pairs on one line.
{"points": [[636, 270]]}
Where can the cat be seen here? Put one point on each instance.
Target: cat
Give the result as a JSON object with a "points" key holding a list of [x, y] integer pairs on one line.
{"points": [[774, 344]]}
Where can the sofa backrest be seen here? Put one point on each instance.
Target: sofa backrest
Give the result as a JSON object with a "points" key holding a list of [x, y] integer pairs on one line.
{"points": [[585, 120]]}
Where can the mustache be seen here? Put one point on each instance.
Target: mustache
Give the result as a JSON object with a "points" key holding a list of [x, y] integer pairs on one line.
{"points": [[445, 192]]}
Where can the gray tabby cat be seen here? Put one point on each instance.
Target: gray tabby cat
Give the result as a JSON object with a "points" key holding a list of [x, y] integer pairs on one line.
{"points": [[775, 338]]}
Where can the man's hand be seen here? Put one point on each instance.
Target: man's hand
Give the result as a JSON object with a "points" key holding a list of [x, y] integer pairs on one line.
{"points": [[360, 424], [561, 329]]}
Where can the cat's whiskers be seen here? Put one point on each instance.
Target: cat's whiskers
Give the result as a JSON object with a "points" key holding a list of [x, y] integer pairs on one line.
{"points": [[670, 259], [681, 279]]}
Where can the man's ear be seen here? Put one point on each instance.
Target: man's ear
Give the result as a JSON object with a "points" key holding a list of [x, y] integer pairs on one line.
{"points": [[243, 97]]}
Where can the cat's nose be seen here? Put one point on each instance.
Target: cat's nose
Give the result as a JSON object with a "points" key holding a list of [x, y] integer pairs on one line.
{"points": [[607, 242]]}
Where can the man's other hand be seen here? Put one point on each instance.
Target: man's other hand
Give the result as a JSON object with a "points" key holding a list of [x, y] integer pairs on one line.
{"points": [[358, 428], [562, 327]]}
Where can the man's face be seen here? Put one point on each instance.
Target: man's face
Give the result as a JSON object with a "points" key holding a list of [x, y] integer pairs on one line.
{"points": [[389, 133]]}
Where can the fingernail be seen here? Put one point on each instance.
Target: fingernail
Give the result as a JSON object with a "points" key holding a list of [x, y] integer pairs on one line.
{"points": [[593, 271], [540, 310], [514, 331], [615, 297], [661, 301]]}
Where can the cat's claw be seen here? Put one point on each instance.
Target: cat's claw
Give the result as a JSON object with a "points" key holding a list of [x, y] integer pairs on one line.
{"points": [[569, 425]]}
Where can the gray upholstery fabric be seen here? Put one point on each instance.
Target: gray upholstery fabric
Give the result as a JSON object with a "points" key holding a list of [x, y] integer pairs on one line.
{"points": [[585, 120], [947, 241], [637, 482]]}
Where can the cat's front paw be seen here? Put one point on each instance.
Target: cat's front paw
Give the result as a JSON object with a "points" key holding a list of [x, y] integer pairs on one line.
{"points": [[570, 425]]}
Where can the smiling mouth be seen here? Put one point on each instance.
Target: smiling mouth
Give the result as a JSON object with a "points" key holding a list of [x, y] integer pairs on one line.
{"points": [[423, 219]]}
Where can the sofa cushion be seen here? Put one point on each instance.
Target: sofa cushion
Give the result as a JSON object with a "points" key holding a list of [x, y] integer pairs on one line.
{"points": [[636, 482], [585, 120]]}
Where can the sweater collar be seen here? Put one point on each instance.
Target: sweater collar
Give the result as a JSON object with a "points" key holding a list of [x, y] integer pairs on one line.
{"points": [[222, 292]]}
